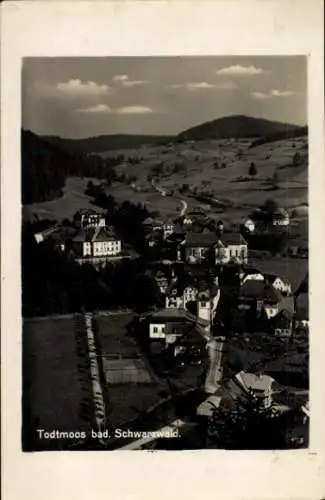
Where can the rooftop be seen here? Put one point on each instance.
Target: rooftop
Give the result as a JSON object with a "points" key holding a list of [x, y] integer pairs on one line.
{"points": [[272, 277], [253, 381], [172, 314], [206, 240], [232, 238], [302, 306], [260, 290], [95, 234], [149, 221]]}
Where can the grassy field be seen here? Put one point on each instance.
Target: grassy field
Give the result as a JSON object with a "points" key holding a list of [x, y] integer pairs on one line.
{"points": [[196, 162], [54, 388], [73, 200]]}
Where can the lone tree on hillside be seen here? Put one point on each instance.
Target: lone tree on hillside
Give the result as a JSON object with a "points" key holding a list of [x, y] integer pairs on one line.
{"points": [[296, 159], [270, 206], [275, 180], [252, 169]]}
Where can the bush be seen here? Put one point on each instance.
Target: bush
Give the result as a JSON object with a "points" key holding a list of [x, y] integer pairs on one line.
{"points": [[252, 169]]}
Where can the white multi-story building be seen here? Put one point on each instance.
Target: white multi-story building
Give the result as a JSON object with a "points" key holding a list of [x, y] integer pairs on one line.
{"points": [[95, 245]]}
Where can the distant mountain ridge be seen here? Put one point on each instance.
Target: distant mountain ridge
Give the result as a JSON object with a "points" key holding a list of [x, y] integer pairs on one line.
{"points": [[241, 126], [101, 143], [235, 126]]}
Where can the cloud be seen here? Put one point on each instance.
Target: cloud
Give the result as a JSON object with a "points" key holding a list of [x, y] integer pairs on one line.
{"points": [[260, 95], [284, 93], [125, 82], [77, 87], [132, 83], [98, 108], [239, 70], [205, 85], [199, 85], [133, 110], [120, 78], [273, 93]]}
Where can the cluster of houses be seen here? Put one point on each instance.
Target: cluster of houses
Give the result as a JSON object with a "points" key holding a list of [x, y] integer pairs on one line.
{"points": [[263, 301], [90, 240], [196, 240]]}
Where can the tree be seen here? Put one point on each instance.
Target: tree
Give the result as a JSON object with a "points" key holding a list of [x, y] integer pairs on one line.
{"points": [[296, 159], [270, 206], [275, 180], [252, 169], [249, 425]]}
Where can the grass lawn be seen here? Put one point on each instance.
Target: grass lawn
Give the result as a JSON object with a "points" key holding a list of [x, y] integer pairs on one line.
{"points": [[54, 386]]}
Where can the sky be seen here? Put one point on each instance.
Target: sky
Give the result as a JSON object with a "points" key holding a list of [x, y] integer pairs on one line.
{"points": [[86, 97]]}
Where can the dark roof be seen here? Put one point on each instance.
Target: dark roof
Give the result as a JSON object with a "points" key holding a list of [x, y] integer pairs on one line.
{"points": [[150, 221], [284, 317], [247, 270], [192, 337], [272, 277], [304, 285], [259, 290], [173, 315], [201, 239], [95, 234], [294, 274], [287, 304], [90, 211], [232, 238], [302, 306]]}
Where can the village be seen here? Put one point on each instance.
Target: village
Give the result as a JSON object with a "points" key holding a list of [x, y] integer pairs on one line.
{"points": [[214, 299]]}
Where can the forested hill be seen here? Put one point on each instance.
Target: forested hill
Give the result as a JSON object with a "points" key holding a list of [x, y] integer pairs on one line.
{"points": [[103, 143], [241, 126], [44, 168]]}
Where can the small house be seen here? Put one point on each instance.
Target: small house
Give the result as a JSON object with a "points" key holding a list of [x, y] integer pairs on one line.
{"points": [[282, 324], [198, 246], [257, 385], [279, 283], [260, 297], [91, 219], [231, 248]]}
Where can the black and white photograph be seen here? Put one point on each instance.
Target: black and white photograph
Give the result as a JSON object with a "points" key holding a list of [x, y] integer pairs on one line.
{"points": [[164, 250]]}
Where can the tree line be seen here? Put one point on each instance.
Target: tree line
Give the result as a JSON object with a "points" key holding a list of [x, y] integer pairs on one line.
{"points": [[44, 168]]}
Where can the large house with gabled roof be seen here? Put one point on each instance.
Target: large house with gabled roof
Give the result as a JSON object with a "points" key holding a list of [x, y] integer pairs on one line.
{"points": [[96, 245]]}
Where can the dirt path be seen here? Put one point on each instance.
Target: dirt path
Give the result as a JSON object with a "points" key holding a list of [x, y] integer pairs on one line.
{"points": [[215, 348]]}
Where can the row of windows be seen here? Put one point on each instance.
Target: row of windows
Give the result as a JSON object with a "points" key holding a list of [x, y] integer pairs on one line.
{"points": [[156, 329]]}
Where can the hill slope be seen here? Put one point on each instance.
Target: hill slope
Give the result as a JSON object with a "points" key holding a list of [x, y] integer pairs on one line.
{"points": [[240, 126]]}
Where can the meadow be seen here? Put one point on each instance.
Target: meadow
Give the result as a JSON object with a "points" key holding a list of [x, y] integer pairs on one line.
{"points": [[217, 167]]}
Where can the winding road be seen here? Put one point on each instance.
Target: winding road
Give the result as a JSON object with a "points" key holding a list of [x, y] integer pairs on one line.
{"points": [[163, 193]]}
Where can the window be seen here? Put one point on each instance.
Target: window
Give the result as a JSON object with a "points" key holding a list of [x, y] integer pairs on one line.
{"points": [[203, 304], [163, 329], [155, 329]]}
